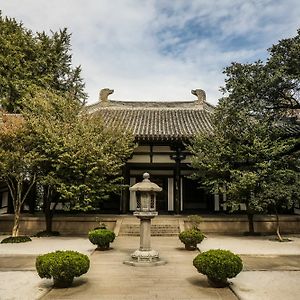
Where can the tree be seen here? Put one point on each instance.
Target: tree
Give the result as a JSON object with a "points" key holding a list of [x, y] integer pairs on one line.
{"points": [[268, 89], [252, 126], [18, 163], [28, 60], [238, 156], [281, 189], [81, 159]]}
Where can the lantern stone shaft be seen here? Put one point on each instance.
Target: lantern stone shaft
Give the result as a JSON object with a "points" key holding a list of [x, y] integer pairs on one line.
{"points": [[145, 211]]}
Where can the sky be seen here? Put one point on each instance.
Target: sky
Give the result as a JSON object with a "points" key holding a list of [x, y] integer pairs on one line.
{"points": [[158, 50]]}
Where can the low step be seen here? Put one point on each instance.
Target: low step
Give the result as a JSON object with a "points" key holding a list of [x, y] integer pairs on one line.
{"points": [[156, 230]]}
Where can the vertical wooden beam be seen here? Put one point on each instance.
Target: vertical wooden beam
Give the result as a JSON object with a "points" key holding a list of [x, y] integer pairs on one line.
{"points": [[151, 153], [124, 199], [177, 187]]}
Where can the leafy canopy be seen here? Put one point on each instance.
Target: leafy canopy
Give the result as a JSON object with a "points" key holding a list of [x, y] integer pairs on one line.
{"points": [[251, 149], [81, 158], [28, 60], [268, 88], [19, 162]]}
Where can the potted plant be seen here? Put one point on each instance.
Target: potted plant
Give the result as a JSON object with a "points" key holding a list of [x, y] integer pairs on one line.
{"points": [[191, 237], [218, 265], [62, 266], [102, 238]]}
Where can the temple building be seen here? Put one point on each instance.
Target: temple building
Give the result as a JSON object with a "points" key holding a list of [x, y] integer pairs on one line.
{"points": [[162, 130]]}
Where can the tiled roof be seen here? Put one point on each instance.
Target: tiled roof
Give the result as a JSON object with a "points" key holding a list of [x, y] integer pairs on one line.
{"points": [[158, 121]]}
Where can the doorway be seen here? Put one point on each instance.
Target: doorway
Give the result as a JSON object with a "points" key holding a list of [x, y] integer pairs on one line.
{"points": [[195, 198]]}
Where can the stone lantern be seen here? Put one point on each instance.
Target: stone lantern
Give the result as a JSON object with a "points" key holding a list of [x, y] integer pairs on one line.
{"points": [[145, 211]]}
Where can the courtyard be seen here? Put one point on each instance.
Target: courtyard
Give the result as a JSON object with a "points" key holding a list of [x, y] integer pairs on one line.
{"points": [[271, 270]]}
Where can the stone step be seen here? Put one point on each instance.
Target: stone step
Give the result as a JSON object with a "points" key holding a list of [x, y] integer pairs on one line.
{"points": [[156, 230]]}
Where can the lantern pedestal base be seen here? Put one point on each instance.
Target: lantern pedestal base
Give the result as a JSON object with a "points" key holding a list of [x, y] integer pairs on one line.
{"points": [[145, 256], [145, 259]]}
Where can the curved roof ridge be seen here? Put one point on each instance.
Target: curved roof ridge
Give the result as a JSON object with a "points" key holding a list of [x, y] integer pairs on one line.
{"points": [[147, 108], [149, 104]]}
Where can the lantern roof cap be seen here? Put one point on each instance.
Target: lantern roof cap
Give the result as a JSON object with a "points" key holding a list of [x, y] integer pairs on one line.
{"points": [[146, 185]]}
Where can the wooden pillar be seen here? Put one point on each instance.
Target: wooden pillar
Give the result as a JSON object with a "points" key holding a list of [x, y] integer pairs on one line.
{"points": [[124, 199], [178, 156], [177, 187]]}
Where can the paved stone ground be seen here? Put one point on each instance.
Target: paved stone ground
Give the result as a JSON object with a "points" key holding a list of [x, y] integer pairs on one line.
{"points": [[270, 272], [267, 285]]}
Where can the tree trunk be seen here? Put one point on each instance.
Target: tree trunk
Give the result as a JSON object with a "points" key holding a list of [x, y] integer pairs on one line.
{"points": [[278, 227], [15, 230], [48, 219], [47, 209], [250, 222], [49, 197], [16, 190]]}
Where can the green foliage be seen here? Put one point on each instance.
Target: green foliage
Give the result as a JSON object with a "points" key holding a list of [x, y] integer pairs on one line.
{"points": [[19, 162], [195, 221], [81, 158], [62, 266], [47, 233], [101, 237], [31, 60], [191, 238], [218, 265], [281, 189], [16, 239], [251, 143], [270, 88], [237, 158]]}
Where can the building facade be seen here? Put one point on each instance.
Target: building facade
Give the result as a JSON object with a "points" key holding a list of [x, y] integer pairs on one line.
{"points": [[162, 131]]}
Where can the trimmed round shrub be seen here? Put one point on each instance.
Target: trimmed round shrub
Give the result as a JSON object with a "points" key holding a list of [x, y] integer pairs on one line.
{"points": [[218, 265], [101, 238], [16, 239], [62, 266], [191, 238]]}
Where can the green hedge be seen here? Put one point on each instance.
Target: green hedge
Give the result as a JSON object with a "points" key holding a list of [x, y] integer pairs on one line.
{"points": [[191, 238], [16, 239], [47, 233], [62, 266], [101, 237], [218, 265]]}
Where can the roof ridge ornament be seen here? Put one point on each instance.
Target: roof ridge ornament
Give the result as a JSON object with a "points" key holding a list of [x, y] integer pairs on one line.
{"points": [[201, 95], [104, 93]]}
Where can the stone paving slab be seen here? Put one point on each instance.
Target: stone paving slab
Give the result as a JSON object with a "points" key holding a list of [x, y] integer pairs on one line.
{"points": [[22, 285], [17, 263], [264, 245], [266, 285], [271, 262], [47, 244]]}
